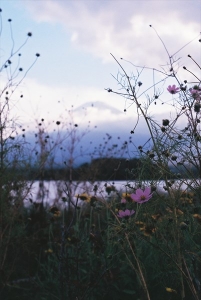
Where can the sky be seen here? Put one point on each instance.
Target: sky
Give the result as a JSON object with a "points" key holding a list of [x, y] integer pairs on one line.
{"points": [[75, 40]]}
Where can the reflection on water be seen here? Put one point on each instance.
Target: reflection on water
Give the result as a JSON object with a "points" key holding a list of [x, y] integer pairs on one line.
{"points": [[53, 191]]}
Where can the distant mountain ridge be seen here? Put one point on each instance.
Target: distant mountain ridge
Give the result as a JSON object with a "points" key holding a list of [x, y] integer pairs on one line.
{"points": [[108, 127]]}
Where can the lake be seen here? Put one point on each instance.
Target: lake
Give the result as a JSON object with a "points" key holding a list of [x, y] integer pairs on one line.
{"points": [[51, 192]]}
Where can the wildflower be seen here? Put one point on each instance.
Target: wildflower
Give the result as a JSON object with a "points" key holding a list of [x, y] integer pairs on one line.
{"points": [[84, 197], [196, 94], [53, 209], [173, 89], [142, 196], [148, 230], [156, 217], [123, 201], [49, 251], [169, 290], [198, 217], [183, 226], [139, 223], [126, 197], [125, 214], [57, 214], [179, 212], [186, 198]]}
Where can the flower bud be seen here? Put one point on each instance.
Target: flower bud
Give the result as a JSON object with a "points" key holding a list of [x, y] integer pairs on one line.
{"points": [[197, 107], [166, 122], [151, 155], [183, 225]]}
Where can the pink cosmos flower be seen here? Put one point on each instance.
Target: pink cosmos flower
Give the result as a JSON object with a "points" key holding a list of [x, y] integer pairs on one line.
{"points": [[172, 89], [141, 196], [196, 94], [123, 201], [127, 213]]}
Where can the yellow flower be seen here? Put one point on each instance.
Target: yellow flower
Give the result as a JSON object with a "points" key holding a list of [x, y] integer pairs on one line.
{"points": [[49, 251], [148, 230], [186, 200], [57, 214], [198, 217], [169, 290], [127, 197], [84, 197], [179, 212], [139, 223], [54, 209], [156, 217], [187, 197]]}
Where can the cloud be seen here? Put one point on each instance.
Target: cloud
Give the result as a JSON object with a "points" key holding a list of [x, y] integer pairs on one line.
{"points": [[89, 104], [122, 27], [53, 102]]}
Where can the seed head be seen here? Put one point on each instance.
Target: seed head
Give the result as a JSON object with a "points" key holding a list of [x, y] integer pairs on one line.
{"points": [[197, 107], [166, 122]]}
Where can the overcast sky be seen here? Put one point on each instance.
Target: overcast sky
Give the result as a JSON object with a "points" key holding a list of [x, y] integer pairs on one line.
{"points": [[75, 39]]}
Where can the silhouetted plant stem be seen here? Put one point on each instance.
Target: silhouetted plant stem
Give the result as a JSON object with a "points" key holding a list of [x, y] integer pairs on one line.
{"points": [[139, 269], [186, 276], [63, 258]]}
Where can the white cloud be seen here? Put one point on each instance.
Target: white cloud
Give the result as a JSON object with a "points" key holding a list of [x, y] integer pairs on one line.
{"points": [[50, 102], [122, 27], [99, 106]]}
